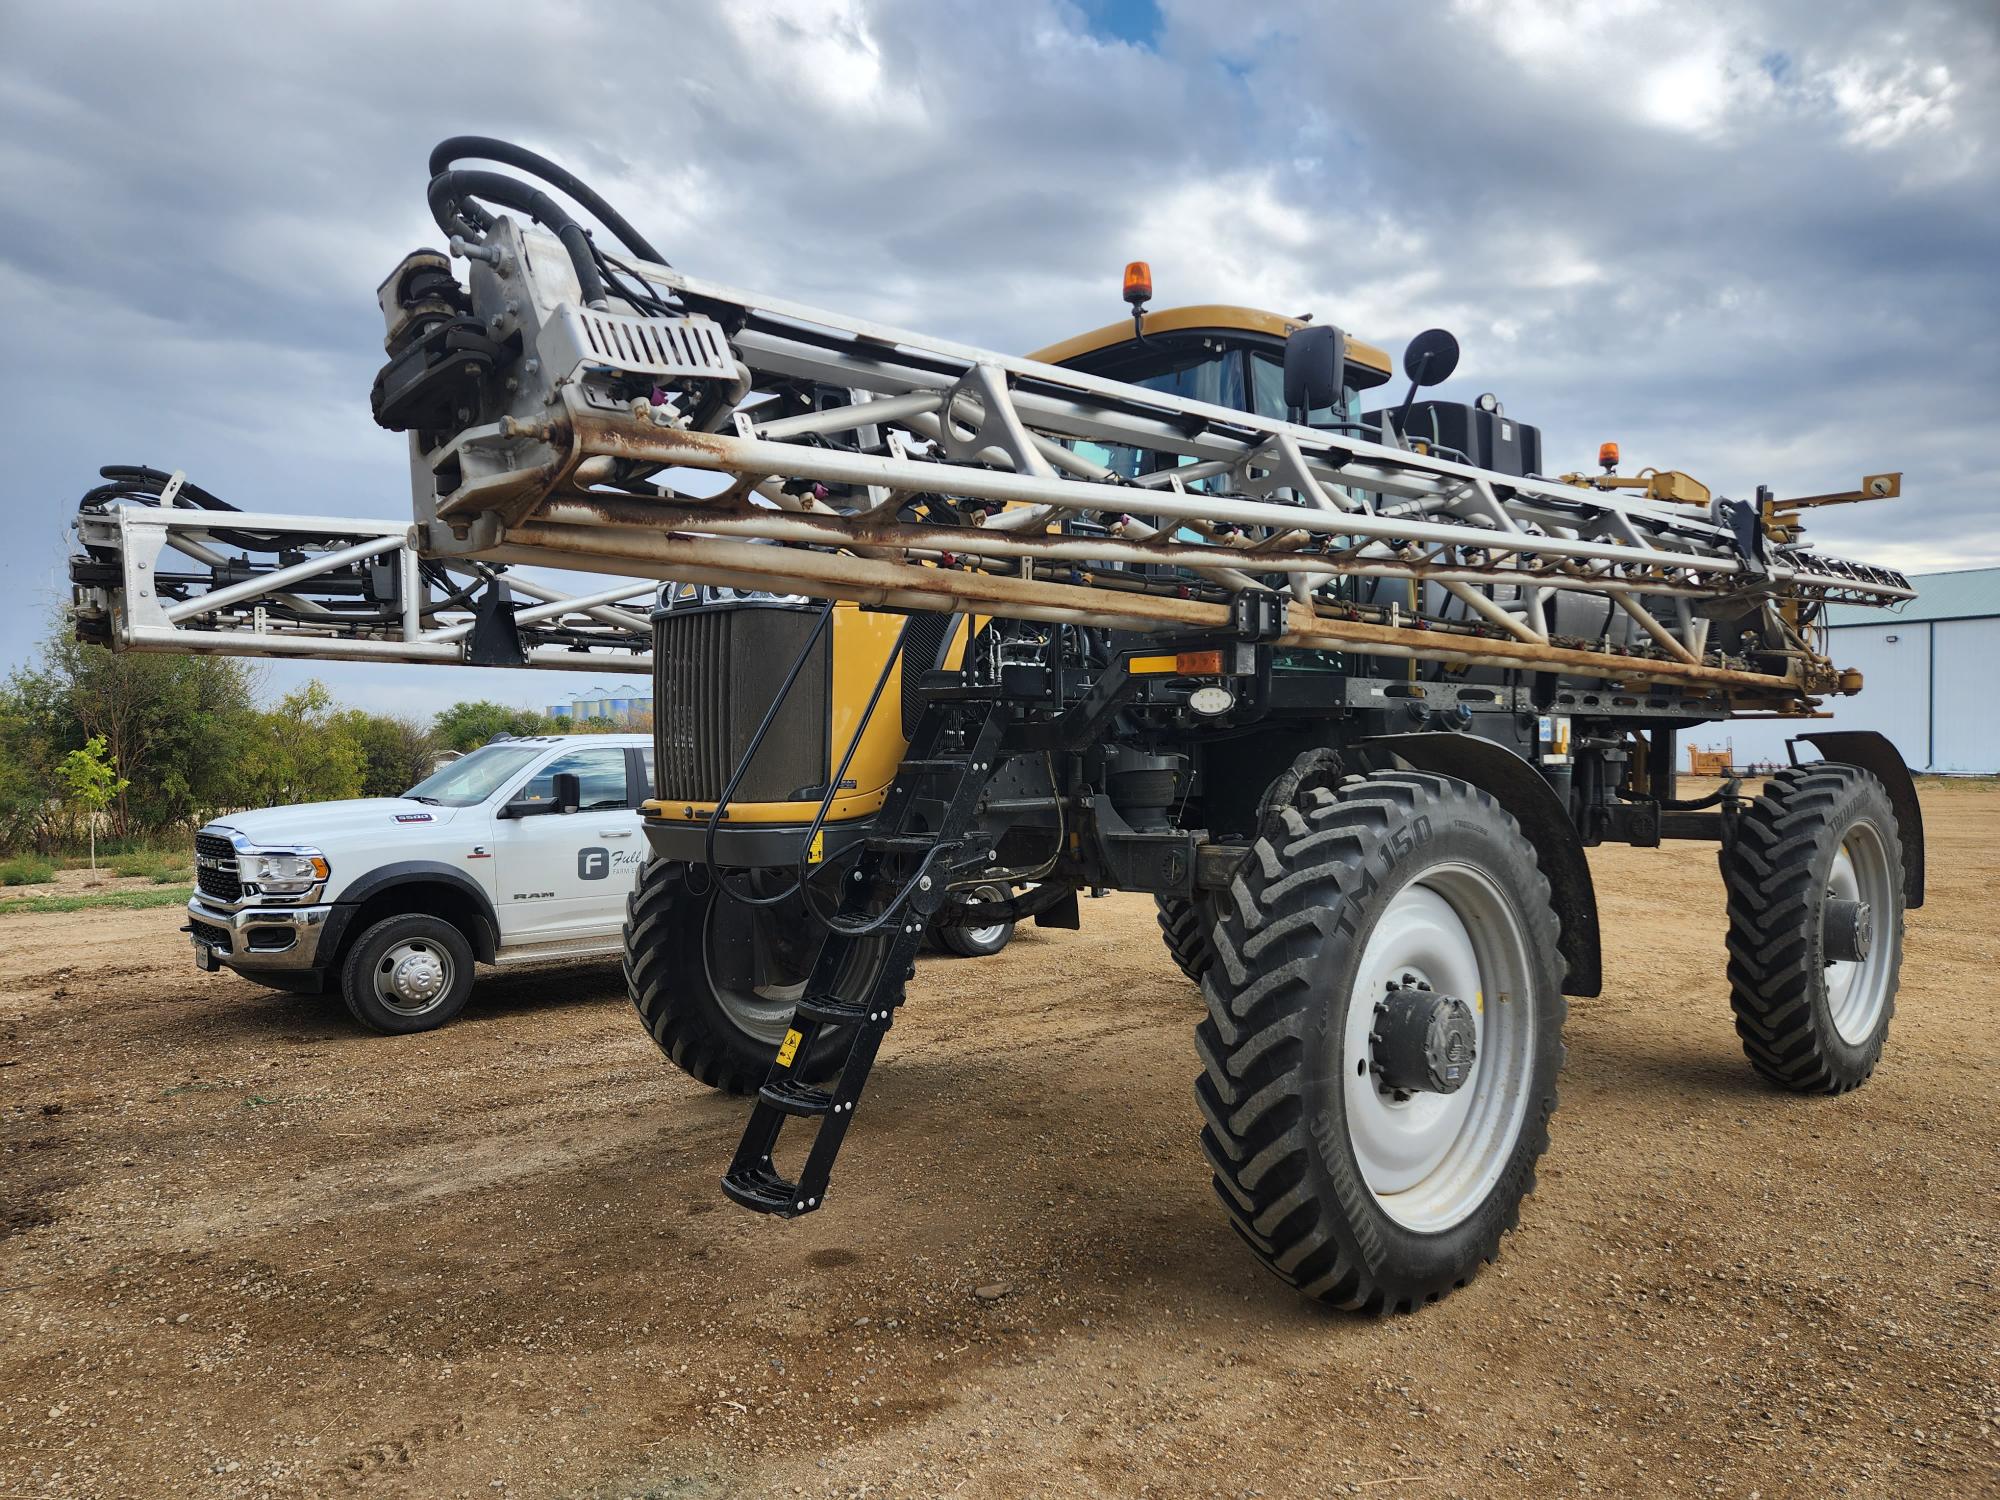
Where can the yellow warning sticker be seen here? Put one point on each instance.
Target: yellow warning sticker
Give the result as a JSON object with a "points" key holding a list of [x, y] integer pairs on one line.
{"points": [[789, 1048], [818, 850]]}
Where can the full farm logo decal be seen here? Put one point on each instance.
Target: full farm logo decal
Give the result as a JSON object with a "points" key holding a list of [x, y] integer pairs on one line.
{"points": [[599, 863]]}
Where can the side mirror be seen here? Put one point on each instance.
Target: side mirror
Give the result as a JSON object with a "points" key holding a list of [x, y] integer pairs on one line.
{"points": [[1315, 356], [1431, 357], [1429, 360], [568, 796]]}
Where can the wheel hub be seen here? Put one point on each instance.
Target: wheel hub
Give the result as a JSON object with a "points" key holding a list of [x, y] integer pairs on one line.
{"points": [[418, 978], [1848, 930], [1422, 1042]]}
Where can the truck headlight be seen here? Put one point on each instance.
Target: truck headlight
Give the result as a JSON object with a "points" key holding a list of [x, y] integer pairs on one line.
{"points": [[281, 872]]}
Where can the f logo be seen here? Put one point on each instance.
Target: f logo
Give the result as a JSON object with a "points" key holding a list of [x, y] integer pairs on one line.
{"points": [[593, 864]]}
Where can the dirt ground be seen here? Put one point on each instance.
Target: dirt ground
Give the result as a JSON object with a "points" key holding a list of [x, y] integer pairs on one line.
{"points": [[247, 1251]]}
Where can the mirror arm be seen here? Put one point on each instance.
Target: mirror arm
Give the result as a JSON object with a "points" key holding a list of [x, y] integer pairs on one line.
{"points": [[1416, 379]]}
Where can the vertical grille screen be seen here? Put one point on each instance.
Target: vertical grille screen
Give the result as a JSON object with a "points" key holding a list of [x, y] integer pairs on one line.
{"points": [[215, 867], [715, 673]]}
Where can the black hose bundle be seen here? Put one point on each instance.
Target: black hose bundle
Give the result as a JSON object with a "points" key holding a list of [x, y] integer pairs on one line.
{"points": [[455, 196]]}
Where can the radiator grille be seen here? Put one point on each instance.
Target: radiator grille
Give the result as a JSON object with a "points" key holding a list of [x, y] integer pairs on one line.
{"points": [[715, 673], [922, 646], [215, 867]]}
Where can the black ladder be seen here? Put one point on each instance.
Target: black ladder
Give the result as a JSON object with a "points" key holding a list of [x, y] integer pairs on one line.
{"points": [[897, 879]]}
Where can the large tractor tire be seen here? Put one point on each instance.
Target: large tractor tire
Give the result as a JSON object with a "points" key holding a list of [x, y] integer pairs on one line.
{"points": [[1383, 1037], [1815, 882], [1184, 929], [691, 973]]}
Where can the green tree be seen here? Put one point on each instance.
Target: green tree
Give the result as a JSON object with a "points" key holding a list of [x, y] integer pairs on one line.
{"points": [[301, 751], [173, 725], [91, 778], [396, 753], [467, 726]]}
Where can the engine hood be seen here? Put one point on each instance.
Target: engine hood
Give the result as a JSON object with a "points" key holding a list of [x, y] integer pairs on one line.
{"points": [[318, 823]]}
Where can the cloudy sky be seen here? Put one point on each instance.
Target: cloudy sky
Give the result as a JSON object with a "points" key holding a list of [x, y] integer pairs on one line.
{"points": [[1758, 241]]}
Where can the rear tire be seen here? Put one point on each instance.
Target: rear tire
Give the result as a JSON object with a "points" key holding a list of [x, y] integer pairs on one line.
{"points": [[1355, 1192], [407, 973], [714, 1033], [1819, 832], [977, 942], [1184, 929]]}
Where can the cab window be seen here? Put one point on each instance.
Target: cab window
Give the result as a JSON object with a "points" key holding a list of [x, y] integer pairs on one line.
{"points": [[600, 774], [1267, 389]]}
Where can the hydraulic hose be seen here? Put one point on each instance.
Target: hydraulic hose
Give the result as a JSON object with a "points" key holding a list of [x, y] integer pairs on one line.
{"points": [[452, 192], [486, 148]]}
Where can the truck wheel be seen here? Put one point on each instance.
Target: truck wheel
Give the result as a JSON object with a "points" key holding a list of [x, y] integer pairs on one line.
{"points": [[407, 973], [1815, 882], [1383, 1036], [978, 942], [1184, 929], [689, 957]]}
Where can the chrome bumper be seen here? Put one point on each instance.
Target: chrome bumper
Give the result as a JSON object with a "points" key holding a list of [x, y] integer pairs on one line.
{"points": [[259, 937]]}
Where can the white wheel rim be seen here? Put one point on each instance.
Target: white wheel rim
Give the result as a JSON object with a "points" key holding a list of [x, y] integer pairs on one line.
{"points": [[1857, 989], [414, 976], [986, 937], [1431, 1159]]}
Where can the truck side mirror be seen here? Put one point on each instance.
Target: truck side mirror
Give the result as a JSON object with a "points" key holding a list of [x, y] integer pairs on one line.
{"points": [[1315, 356], [566, 795]]}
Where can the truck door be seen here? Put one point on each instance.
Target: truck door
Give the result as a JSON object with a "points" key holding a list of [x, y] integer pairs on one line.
{"points": [[566, 874]]}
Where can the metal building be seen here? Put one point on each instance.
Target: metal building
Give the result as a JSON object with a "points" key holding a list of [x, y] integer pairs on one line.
{"points": [[1931, 679]]}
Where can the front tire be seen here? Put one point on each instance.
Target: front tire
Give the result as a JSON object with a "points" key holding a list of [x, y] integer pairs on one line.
{"points": [[407, 973], [1391, 888], [688, 958], [1813, 1021]]}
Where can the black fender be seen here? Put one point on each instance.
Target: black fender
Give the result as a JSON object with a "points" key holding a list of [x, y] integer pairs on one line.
{"points": [[1519, 788], [1875, 754], [431, 872]]}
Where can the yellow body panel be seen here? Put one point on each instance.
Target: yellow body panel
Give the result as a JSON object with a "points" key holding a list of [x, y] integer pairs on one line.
{"points": [[1219, 316]]}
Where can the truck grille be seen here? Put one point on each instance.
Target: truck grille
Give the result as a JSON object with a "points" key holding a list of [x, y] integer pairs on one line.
{"points": [[215, 867], [716, 670]]}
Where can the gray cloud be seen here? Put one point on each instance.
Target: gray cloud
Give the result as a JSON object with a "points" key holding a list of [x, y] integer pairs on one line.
{"points": [[1755, 243]]}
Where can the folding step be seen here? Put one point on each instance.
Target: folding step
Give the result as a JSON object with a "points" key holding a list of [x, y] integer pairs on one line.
{"points": [[831, 1011], [763, 1191], [797, 1097]]}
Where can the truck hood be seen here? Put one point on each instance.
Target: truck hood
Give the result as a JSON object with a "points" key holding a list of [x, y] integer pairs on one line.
{"points": [[321, 823]]}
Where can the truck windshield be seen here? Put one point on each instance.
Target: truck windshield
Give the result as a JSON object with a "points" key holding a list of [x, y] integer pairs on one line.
{"points": [[471, 779]]}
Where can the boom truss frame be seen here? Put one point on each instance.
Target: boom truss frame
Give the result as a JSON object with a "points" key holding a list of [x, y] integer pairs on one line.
{"points": [[957, 468], [269, 584]]}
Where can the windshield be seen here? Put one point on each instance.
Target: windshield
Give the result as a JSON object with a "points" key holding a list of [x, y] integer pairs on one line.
{"points": [[471, 779]]}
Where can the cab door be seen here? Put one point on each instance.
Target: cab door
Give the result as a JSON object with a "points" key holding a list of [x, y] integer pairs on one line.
{"points": [[565, 875]]}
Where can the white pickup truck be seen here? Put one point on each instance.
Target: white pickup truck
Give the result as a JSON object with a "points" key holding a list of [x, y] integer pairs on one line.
{"points": [[520, 852]]}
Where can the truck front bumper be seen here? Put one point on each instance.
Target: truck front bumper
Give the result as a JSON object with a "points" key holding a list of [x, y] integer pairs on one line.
{"points": [[258, 939]]}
